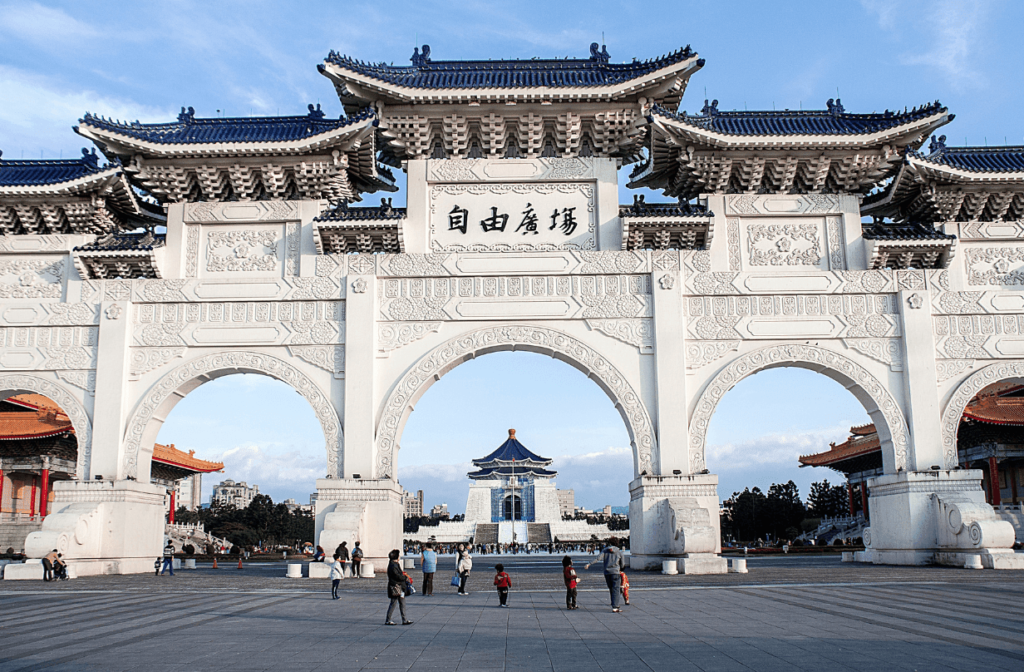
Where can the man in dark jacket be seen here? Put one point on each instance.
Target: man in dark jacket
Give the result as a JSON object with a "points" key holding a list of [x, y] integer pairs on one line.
{"points": [[396, 588], [611, 557]]}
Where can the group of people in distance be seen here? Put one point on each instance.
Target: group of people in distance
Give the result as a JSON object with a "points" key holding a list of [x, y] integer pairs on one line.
{"points": [[400, 584]]}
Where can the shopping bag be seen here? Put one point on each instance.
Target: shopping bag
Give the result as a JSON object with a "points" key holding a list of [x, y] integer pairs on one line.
{"points": [[409, 589], [456, 581]]}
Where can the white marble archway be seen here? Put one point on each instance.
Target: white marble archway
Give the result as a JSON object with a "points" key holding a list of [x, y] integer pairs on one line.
{"points": [[148, 416], [19, 383], [543, 340], [872, 394], [962, 396]]}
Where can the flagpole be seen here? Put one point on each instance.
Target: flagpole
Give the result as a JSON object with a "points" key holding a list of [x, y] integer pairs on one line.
{"points": [[513, 500]]}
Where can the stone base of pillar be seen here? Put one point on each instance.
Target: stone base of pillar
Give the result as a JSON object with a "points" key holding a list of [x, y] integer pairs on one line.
{"points": [[935, 517], [103, 527], [363, 510], [676, 517]]}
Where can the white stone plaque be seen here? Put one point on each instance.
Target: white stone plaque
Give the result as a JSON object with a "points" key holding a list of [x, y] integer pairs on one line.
{"points": [[513, 217]]}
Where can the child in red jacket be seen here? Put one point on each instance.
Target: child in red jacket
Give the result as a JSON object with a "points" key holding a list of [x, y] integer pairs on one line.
{"points": [[625, 586], [571, 581], [503, 581]]}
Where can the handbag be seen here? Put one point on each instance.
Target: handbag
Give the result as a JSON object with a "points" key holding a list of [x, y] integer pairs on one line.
{"points": [[456, 581], [409, 588]]}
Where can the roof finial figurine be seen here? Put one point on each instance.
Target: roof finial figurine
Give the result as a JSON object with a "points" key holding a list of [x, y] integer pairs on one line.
{"points": [[316, 113], [599, 53], [418, 58], [90, 160], [709, 110], [638, 203], [385, 207], [187, 117], [835, 107], [937, 146]]}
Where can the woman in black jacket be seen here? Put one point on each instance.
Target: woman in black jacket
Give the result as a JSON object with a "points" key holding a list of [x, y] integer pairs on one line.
{"points": [[396, 588]]}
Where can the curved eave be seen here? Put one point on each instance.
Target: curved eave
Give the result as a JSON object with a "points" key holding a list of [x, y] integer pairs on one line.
{"points": [[990, 421], [684, 133], [43, 435], [188, 467], [942, 172], [78, 186], [121, 144], [359, 85]]}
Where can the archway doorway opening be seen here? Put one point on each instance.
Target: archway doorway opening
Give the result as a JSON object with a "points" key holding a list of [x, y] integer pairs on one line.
{"points": [[990, 438]]}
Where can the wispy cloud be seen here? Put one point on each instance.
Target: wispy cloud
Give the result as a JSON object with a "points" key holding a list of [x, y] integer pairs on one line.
{"points": [[780, 449], [280, 473], [44, 26]]}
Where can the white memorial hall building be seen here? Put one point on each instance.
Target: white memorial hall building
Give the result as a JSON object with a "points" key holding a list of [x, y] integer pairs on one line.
{"points": [[171, 254]]}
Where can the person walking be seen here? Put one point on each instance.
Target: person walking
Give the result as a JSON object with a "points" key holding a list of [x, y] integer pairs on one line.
{"points": [[357, 559], [337, 574], [503, 581], [342, 552], [611, 557], [428, 561], [168, 558], [396, 588], [464, 566], [571, 581]]}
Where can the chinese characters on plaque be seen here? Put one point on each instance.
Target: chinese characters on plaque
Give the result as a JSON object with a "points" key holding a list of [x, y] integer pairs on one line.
{"points": [[564, 220]]}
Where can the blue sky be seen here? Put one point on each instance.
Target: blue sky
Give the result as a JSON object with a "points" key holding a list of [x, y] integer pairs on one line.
{"points": [[144, 60]]}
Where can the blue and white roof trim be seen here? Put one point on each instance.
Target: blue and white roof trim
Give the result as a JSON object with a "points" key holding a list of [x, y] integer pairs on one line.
{"points": [[767, 127], [235, 136], [594, 78], [48, 172], [511, 450]]}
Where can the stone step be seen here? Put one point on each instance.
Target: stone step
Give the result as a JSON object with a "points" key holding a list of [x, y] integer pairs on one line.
{"points": [[13, 535], [486, 533], [539, 533]]}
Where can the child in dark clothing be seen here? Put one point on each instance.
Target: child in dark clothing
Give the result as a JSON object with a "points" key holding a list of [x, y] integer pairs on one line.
{"points": [[570, 578], [503, 581]]}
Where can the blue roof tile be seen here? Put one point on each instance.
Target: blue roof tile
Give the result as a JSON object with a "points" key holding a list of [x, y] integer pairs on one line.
{"points": [[975, 159], [512, 450], [190, 130], [29, 173], [569, 73], [641, 208], [343, 213], [509, 471], [125, 242], [834, 121], [903, 231]]}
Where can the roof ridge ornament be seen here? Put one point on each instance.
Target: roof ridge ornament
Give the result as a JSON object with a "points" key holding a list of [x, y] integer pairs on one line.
{"points": [[709, 110], [599, 56], [937, 146], [835, 108], [421, 59], [90, 160], [315, 113], [187, 117]]}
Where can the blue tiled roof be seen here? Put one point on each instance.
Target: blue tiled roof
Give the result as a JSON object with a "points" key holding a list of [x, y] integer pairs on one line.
{"points": [[977, 159], [640, 208], [343, 213], [190, 130], [28, 173], [509, 471], [512, 450], [125, 242], [789, 122], [903, 231], [568, 73]]}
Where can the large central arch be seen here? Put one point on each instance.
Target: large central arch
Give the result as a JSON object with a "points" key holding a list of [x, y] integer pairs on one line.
{"points": [[11, 385], [172, 388], [542, 340], [872, 394]]}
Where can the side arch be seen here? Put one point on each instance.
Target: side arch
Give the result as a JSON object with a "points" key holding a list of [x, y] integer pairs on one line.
{"points": [[162, 397], [542, 340], [976, 382], [11, 385], [872, 394]]}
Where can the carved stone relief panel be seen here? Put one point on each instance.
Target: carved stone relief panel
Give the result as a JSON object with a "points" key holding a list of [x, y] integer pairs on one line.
{"points": [[782, 204], [836, 244], [820, 316], [994, 265], [885, 350], [48, 348], [243, 322], [243, 250], [701, 353], [35, 243], [991, 230], [531, 217], [31, 278], [951, 368], [505, 297], [397, 334], [249, 211], [784, 245], [327, 357], [510, 170], [636, 332], [274, 289], [979, 336]]}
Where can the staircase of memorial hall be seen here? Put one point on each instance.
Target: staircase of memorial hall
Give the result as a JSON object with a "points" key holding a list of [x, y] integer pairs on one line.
{"points": [[538, 533], [486, 533], [13, 531]]}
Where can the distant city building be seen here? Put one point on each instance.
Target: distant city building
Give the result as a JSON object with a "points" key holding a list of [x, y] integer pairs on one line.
{"points": [[439, 511], [412, 504], [239, 495], [566, 502], [293, 505]]}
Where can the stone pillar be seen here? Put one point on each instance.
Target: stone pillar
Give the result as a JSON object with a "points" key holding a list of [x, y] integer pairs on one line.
{"points": [[170, 517], [360, 393], [849, 491], [993, 474], [32, 500], [670, 374], [1013, 484], [921, 402], [111, 397], [367, 510], [864, 498], [1, 490], [45, 492]]}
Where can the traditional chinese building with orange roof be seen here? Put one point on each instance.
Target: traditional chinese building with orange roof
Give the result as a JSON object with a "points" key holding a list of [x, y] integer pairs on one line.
{"points": [[990, 438], [38, 446]]}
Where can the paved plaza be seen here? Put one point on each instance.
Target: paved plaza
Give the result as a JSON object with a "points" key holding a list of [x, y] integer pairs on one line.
{"points": [[810, 613]]}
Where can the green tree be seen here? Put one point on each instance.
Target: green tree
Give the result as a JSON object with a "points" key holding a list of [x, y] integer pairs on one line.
{"points": [[828, 500], [744, 514], [784, 508]]}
